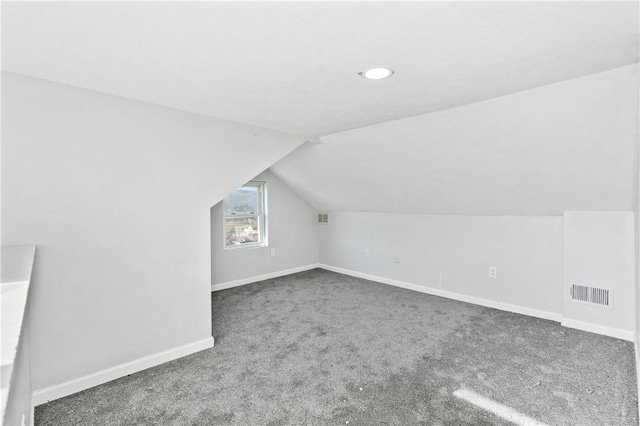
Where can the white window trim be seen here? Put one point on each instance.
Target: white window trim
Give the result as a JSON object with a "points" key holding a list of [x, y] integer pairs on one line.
{"points": [[262, 224]]}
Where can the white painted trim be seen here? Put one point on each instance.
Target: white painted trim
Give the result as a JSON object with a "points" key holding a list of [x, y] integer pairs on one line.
{"points": [[50, 393], [244, 281], [450, 295], [566, 322], [635, 345], [594, 328], [598, 329]]}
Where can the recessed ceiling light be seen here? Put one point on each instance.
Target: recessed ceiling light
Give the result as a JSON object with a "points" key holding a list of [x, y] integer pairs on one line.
{"points": [[376, 73]]}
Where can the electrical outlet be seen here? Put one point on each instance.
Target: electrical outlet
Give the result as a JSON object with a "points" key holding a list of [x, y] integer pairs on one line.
{"points": [[396, 259], [366, 252], [493, 271], [273, 252]]}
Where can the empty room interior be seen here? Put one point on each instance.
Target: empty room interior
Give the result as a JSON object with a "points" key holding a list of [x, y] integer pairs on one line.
{"points": [[335, 213]]}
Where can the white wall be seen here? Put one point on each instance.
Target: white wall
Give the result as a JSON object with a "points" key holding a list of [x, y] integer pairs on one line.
{"points": [[453, 254], [637, 248], [599, 251], [117, 196], [537, 259], [293, 233]]}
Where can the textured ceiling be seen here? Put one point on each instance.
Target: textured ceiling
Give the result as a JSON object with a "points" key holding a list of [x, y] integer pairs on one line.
{"points": [[293, 66]]}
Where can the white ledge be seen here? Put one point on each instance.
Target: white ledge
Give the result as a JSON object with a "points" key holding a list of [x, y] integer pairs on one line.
{"points": [[17, 263]]}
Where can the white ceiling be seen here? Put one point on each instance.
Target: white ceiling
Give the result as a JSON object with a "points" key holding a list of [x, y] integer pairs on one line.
{"points": [[566, 146], [293, 66], [498, 108]]}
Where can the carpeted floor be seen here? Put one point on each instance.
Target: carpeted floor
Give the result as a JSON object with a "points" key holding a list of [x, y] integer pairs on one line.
{"points": [[323, 348]]}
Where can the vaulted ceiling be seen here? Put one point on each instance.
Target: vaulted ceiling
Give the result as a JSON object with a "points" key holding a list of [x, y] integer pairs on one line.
{"points": [[566, 146], [494, 107], [292, 66]]}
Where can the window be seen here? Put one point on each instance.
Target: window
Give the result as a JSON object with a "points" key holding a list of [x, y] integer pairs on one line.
{"points": [[245, 223]]}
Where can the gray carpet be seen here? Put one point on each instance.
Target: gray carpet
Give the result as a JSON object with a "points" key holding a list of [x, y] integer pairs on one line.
{"points": [[323, 348]]}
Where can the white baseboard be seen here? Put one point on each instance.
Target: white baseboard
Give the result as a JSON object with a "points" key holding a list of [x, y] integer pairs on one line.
{"points": [[599, 329], [635, 345], [450, 295], [237, 283], [585, 326], [51, 393]]}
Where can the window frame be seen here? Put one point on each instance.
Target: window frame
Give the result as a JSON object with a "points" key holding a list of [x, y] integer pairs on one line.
{"points": [[261, 217]]}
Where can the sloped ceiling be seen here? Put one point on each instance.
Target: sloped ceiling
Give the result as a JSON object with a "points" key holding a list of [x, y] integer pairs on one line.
{"points": [[567, 146], [292, 66], [495, 107]]}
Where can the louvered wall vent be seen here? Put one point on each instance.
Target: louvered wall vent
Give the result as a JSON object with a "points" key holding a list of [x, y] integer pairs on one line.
{"points": [[323, 218], [592, 295]]}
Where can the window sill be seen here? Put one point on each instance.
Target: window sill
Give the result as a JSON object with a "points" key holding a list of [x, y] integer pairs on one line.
{"points": [[245, 246]]}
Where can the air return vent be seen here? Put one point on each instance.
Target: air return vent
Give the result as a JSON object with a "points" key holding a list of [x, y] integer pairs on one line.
{"points": [[592, 295], [323, 218]]}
